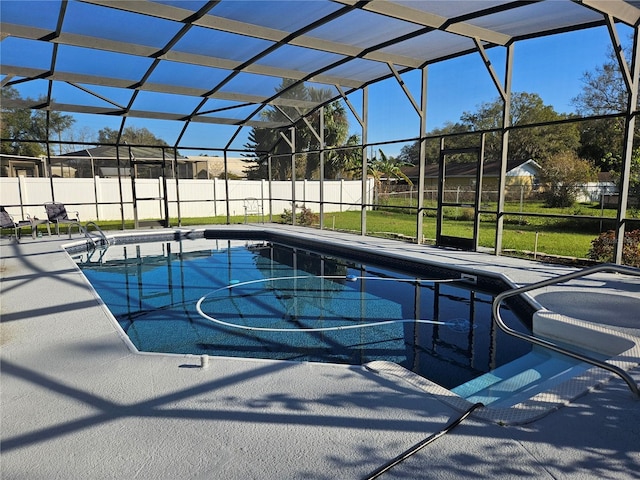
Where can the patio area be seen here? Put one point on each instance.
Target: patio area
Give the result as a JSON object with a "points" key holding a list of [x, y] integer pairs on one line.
{"points": [[77, 403]]}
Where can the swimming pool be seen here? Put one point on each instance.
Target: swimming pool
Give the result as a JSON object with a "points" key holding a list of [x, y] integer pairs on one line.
{"points": [[260, 298]]}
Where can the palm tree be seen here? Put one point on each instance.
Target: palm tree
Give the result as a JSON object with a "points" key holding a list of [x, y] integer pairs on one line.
{"points": [[385, 169], [307, 164]]}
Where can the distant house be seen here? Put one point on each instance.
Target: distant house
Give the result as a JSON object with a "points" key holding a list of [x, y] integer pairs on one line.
{"points": [[103, 162], [463, 175], [23, 166], [213, 167], [605, 190]]}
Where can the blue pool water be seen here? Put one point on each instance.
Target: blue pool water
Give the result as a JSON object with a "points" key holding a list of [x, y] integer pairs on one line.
{"points": [[267, 300]]}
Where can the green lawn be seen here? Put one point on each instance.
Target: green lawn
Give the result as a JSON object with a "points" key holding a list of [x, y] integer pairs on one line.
{"points": [[570, 237], [552, 238]]}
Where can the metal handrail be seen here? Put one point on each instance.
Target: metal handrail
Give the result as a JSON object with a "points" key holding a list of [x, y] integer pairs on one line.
{"points": [[84, 229], [105, 240], [552, 346]]}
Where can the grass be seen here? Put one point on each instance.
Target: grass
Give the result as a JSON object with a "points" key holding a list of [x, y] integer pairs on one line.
{"points": [[570, 237], [552, 238], [560, 237]]}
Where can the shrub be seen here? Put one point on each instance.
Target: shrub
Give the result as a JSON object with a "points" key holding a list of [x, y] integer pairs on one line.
{"points": [[304, 216], [603, 246], [467, 214]]}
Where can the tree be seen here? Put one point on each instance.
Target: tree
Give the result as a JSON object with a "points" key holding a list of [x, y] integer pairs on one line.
{"points": [[411, 153], [58, 123], [385, 169], [537, 143], [344, 162], [613, 164], [26, 130], [604, 92], [562, 177], [131, 135], [263, 140], [16, 125]]}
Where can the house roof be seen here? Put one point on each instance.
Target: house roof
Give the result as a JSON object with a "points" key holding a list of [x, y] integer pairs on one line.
{"points": [[222, 62], [109, 152]]}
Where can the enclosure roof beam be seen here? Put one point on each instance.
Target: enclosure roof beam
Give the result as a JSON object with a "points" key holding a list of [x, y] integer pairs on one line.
{"points": [[405, 89], [623, 11], [619, 52], [426, 19], [492, 72]]}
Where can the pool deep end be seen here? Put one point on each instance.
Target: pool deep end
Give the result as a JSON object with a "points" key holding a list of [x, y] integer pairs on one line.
{"points": [[483, 281]]}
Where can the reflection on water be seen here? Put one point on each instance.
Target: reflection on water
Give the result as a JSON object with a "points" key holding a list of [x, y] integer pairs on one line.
{"points": [[297, 305]]}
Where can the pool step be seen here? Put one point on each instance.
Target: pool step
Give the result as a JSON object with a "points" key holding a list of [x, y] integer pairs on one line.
{"points": [[520, 379]]}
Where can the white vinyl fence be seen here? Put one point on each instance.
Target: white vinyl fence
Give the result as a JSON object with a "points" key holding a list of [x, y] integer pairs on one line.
{"points": [[99, 198]]}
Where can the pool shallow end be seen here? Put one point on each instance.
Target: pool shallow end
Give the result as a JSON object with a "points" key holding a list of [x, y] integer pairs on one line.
{"points": [[620, 349]]}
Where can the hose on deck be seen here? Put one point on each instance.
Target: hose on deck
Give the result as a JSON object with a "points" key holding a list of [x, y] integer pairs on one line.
{"points": [[420, 445]]}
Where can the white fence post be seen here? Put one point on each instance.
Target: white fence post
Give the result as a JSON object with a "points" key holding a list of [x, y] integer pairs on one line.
{"points": [[215, 200], [23, 193], [263, 183], [97, 188]]}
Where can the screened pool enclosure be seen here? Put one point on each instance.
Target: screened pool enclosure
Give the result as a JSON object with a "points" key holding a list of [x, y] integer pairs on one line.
{"points": [[268, 83]]}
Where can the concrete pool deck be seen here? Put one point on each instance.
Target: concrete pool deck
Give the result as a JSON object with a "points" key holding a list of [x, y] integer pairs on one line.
{"points": [[77, 403]]}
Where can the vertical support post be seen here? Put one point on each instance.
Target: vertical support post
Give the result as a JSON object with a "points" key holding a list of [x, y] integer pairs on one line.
{"points": [[365, 167], [629, 128], [506, 123], [421, 110], [226, 186], [478, 194], [215, 196], [305, 184], [175, 174], [119, 168], [321, 127], [262, 182], [442, 174], [95, 184], [97, 189], [48, 145], [133, 172], [21, 197], [292, 131], [270, 176], [422, 160], [165, 201]]}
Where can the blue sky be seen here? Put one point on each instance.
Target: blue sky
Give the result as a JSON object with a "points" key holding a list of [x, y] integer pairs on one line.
{"points": [[552, 67]]}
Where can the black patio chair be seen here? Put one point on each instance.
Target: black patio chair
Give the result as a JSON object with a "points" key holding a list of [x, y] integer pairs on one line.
{"points": [[57, 214], [7, 221]]}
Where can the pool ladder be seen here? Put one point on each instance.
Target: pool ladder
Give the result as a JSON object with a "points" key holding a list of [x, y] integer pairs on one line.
{"points": [[552, 346], [91, 238]]}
